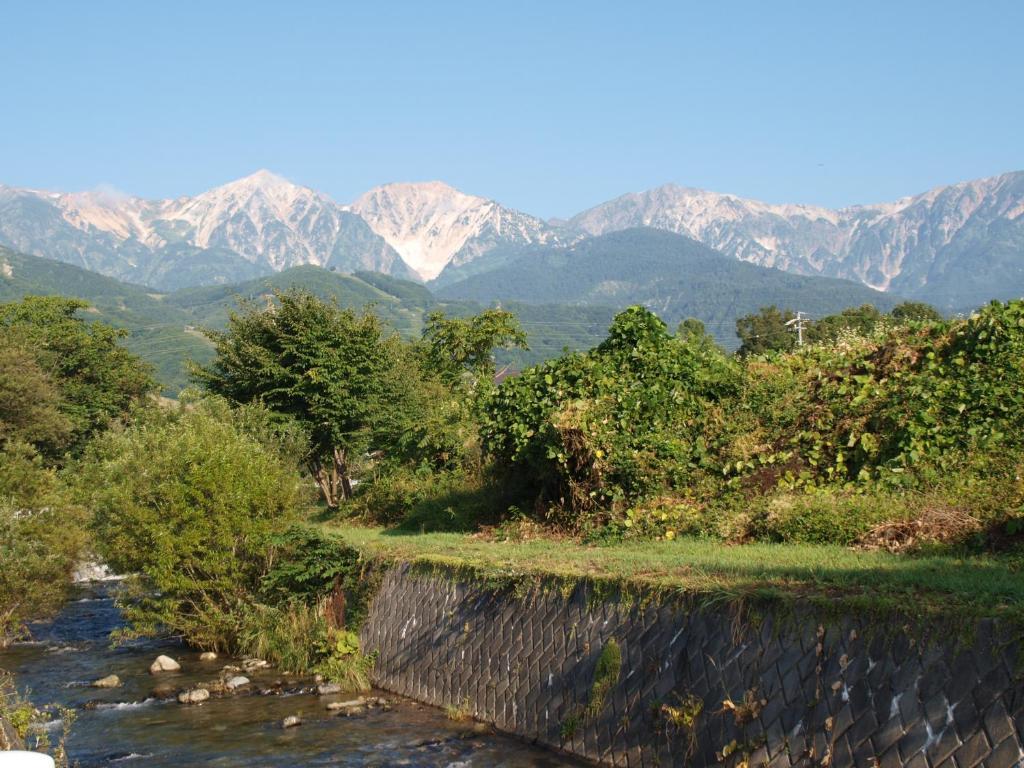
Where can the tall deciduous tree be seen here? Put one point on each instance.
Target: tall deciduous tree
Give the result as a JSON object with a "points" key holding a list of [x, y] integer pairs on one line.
{"points": [[97, 379], [459, 345], [765, 331], [329, 369]]}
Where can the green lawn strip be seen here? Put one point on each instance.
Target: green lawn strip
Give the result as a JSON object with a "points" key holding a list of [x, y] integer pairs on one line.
{"points": [[830, 577]]}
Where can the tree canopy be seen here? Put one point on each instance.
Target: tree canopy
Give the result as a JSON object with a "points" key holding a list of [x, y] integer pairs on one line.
{"points": [[765, 331], [95, 378], [460, 345], [328, 369]]}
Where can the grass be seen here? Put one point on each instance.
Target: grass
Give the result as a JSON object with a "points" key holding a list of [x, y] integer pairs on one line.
{"points": [[829, 576]]}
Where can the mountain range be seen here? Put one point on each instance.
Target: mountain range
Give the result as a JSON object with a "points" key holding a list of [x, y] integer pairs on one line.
{"points": [[956, 246]]}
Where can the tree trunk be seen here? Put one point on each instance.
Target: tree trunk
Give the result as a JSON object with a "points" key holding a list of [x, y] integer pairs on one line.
{"points": [[341, 473], [324, 479], [335, 484]]}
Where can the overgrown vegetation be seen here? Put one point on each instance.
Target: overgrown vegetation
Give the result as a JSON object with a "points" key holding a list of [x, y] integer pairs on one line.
{"points": [[878, 466], [655, 435]]}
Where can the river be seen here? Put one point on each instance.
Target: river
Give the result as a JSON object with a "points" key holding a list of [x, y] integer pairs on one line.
{"points": [[127, 727]]}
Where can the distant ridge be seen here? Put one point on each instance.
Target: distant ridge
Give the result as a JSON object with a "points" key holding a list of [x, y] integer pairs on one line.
{"points": [[671, 274], [956, 246]]}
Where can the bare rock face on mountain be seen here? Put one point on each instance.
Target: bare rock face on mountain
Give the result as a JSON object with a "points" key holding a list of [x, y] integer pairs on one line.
{"points": [[256, 225], [433, 225], [958, 245]]}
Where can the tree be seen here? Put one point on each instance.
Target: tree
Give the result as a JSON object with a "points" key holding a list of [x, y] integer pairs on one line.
{"points": [[765, 331], [191, 502], [328, 369], [98, 380], [461, 345], [692, 330], [30, 403], [862, 320], [916, 310]]}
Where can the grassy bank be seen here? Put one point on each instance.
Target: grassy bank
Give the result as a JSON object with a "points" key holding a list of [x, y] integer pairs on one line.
{"points": [[830, 576]]}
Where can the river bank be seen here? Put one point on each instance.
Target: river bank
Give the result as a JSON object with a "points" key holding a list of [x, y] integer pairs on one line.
{"points": [[564, 650], [128, 725]]}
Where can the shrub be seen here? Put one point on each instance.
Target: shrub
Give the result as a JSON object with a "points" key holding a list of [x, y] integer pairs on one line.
{"points": [[42, 536], [823, 517], [597, 431], [190, 502]]}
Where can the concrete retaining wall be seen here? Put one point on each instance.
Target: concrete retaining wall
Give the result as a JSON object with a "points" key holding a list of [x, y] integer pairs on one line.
{"points": [[697, 686]]}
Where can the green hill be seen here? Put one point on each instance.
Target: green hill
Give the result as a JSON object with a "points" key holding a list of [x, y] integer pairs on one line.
{"points": [[672, 275], [156, 331], [165, 328]]}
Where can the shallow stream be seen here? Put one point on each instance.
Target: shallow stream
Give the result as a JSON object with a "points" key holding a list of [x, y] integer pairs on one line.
{"points": [[127, 726]]}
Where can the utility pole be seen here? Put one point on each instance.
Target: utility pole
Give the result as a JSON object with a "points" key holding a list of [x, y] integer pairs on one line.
{"points": [[798, 323]]}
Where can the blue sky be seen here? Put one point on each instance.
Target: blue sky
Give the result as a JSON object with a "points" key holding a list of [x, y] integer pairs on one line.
{"points": [[550, 107]]}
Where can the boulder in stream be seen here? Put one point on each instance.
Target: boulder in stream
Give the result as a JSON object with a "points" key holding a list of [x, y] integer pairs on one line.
{"points": [[207, 656], [328, 689], [164, 664], [238, 681], [110, 681], [194, 696], [291, 721]]}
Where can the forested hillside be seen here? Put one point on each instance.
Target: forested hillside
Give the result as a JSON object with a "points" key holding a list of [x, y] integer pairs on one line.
{"points": [[670, 274], [165, 329]]}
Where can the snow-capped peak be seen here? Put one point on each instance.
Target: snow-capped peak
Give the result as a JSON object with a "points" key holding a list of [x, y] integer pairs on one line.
{"points": [[432, 224]]}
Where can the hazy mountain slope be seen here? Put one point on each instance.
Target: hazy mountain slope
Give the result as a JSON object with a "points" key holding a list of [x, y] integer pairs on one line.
{"points": [[157, 331], [919, 246], [402, 306], [673, 275], [237, 231], [433, 225]]}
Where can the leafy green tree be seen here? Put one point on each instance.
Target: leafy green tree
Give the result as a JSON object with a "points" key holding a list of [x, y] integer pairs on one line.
{"points": [[98, 380], [692, 330], [592, 432], [42, 535], [916, 310], [192, 502], [30, 404], [465, 345], [765, 331], [328, 369], [862, 320]]}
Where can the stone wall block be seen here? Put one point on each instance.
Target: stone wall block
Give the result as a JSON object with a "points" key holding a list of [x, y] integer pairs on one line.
{"points": [[808, 692]]}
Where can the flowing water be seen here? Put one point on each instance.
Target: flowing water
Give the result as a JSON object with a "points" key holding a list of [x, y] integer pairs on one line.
{"points": [[127, 726]]}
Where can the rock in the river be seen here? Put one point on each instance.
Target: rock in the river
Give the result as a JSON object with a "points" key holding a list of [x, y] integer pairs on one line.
{"points": [[238, 681], [165, 691], [328, 689], [208, 656], [195, 696], [164, 664], [291, 721], [251, 665], [110, 681], [335, 706]]}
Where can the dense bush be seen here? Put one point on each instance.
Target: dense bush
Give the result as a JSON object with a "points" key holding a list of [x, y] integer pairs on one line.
{"points": [[662, 436], [42, 536], [593, 431], [189, 501]]}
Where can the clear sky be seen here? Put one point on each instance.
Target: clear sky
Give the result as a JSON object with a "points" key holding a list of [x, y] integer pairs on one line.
{"points": [[550, 107]]}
